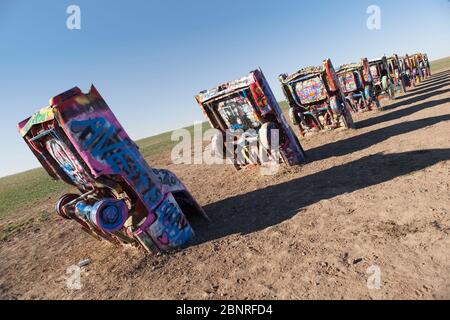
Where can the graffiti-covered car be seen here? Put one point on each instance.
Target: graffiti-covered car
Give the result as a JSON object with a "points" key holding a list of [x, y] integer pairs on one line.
{"points": [[120, 198], [246, 110], [422, 65], [413, 65], [395, 73], [427, 64], [382, 79], [316, 99], [407, 71], [356, 83]]}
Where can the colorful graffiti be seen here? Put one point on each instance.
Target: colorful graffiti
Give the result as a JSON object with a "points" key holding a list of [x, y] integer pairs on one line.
{"points": [[348, 82], [100, 138], [247, 104], [310, 93], [310, 90], [43, 115], [68, 163], [238, 113], [171, 226], [123, 200]]}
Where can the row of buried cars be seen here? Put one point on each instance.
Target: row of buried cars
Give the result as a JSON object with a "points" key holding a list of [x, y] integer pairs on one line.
{"points": [[121, 199]]}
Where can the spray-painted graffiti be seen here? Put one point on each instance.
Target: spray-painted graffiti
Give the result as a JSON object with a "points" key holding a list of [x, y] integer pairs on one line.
{"points": [[67, 162], [168, 179], [348, 82], [121, 198], [247, 105], [309, 93], [310, 90], [238, 113], [101, 139], [171, 227], [45, 114]]}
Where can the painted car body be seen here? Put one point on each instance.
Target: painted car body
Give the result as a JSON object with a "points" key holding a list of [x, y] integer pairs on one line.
{"points": [[427, 64], [423, 65], [79, 140], [413, 65], [396, 73], [407, 71], [357, 85], [248, 105], [316, 99], [382, 79]]}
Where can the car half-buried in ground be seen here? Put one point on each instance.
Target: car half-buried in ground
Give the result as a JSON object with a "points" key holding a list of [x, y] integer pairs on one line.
{"points": [[395, 73], [356, 83], [316, 99], [120, 198], [382, 78], [245, 113]]}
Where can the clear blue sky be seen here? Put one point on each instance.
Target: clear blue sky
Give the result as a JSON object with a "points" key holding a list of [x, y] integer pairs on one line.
{"points": [[149, 58]]}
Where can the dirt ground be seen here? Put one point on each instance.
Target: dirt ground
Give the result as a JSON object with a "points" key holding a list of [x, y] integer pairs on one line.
{"points": [[376, 196]]}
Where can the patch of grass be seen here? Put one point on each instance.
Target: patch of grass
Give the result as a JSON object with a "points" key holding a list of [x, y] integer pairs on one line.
{"points": [[11, 228], [162, 142], [440, 64], [22, 189], [284, 105]]}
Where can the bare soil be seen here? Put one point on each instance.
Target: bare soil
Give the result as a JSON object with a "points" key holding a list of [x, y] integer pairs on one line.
{"points": [[375, 196]]}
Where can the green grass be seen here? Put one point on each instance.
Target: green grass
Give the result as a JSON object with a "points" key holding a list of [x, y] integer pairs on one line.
{"points": [[14, 227], [24, 222], [441, 64], [156, 144], [20, 191]]}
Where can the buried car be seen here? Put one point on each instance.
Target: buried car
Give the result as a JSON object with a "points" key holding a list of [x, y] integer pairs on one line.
{"points": [[407, 71], [78, 140], [382, 78], [413, 65], [316, 99], [427, 64], [396, 73], [356, 83], [422, 65], [247, 111]]}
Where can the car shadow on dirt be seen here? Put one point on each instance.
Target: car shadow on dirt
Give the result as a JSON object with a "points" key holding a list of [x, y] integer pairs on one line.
{"points": [[366, 140], [417, 96], [434, 78], [437, 75], [422, 90], [272, 205], [433, 83], [400, 113]]}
